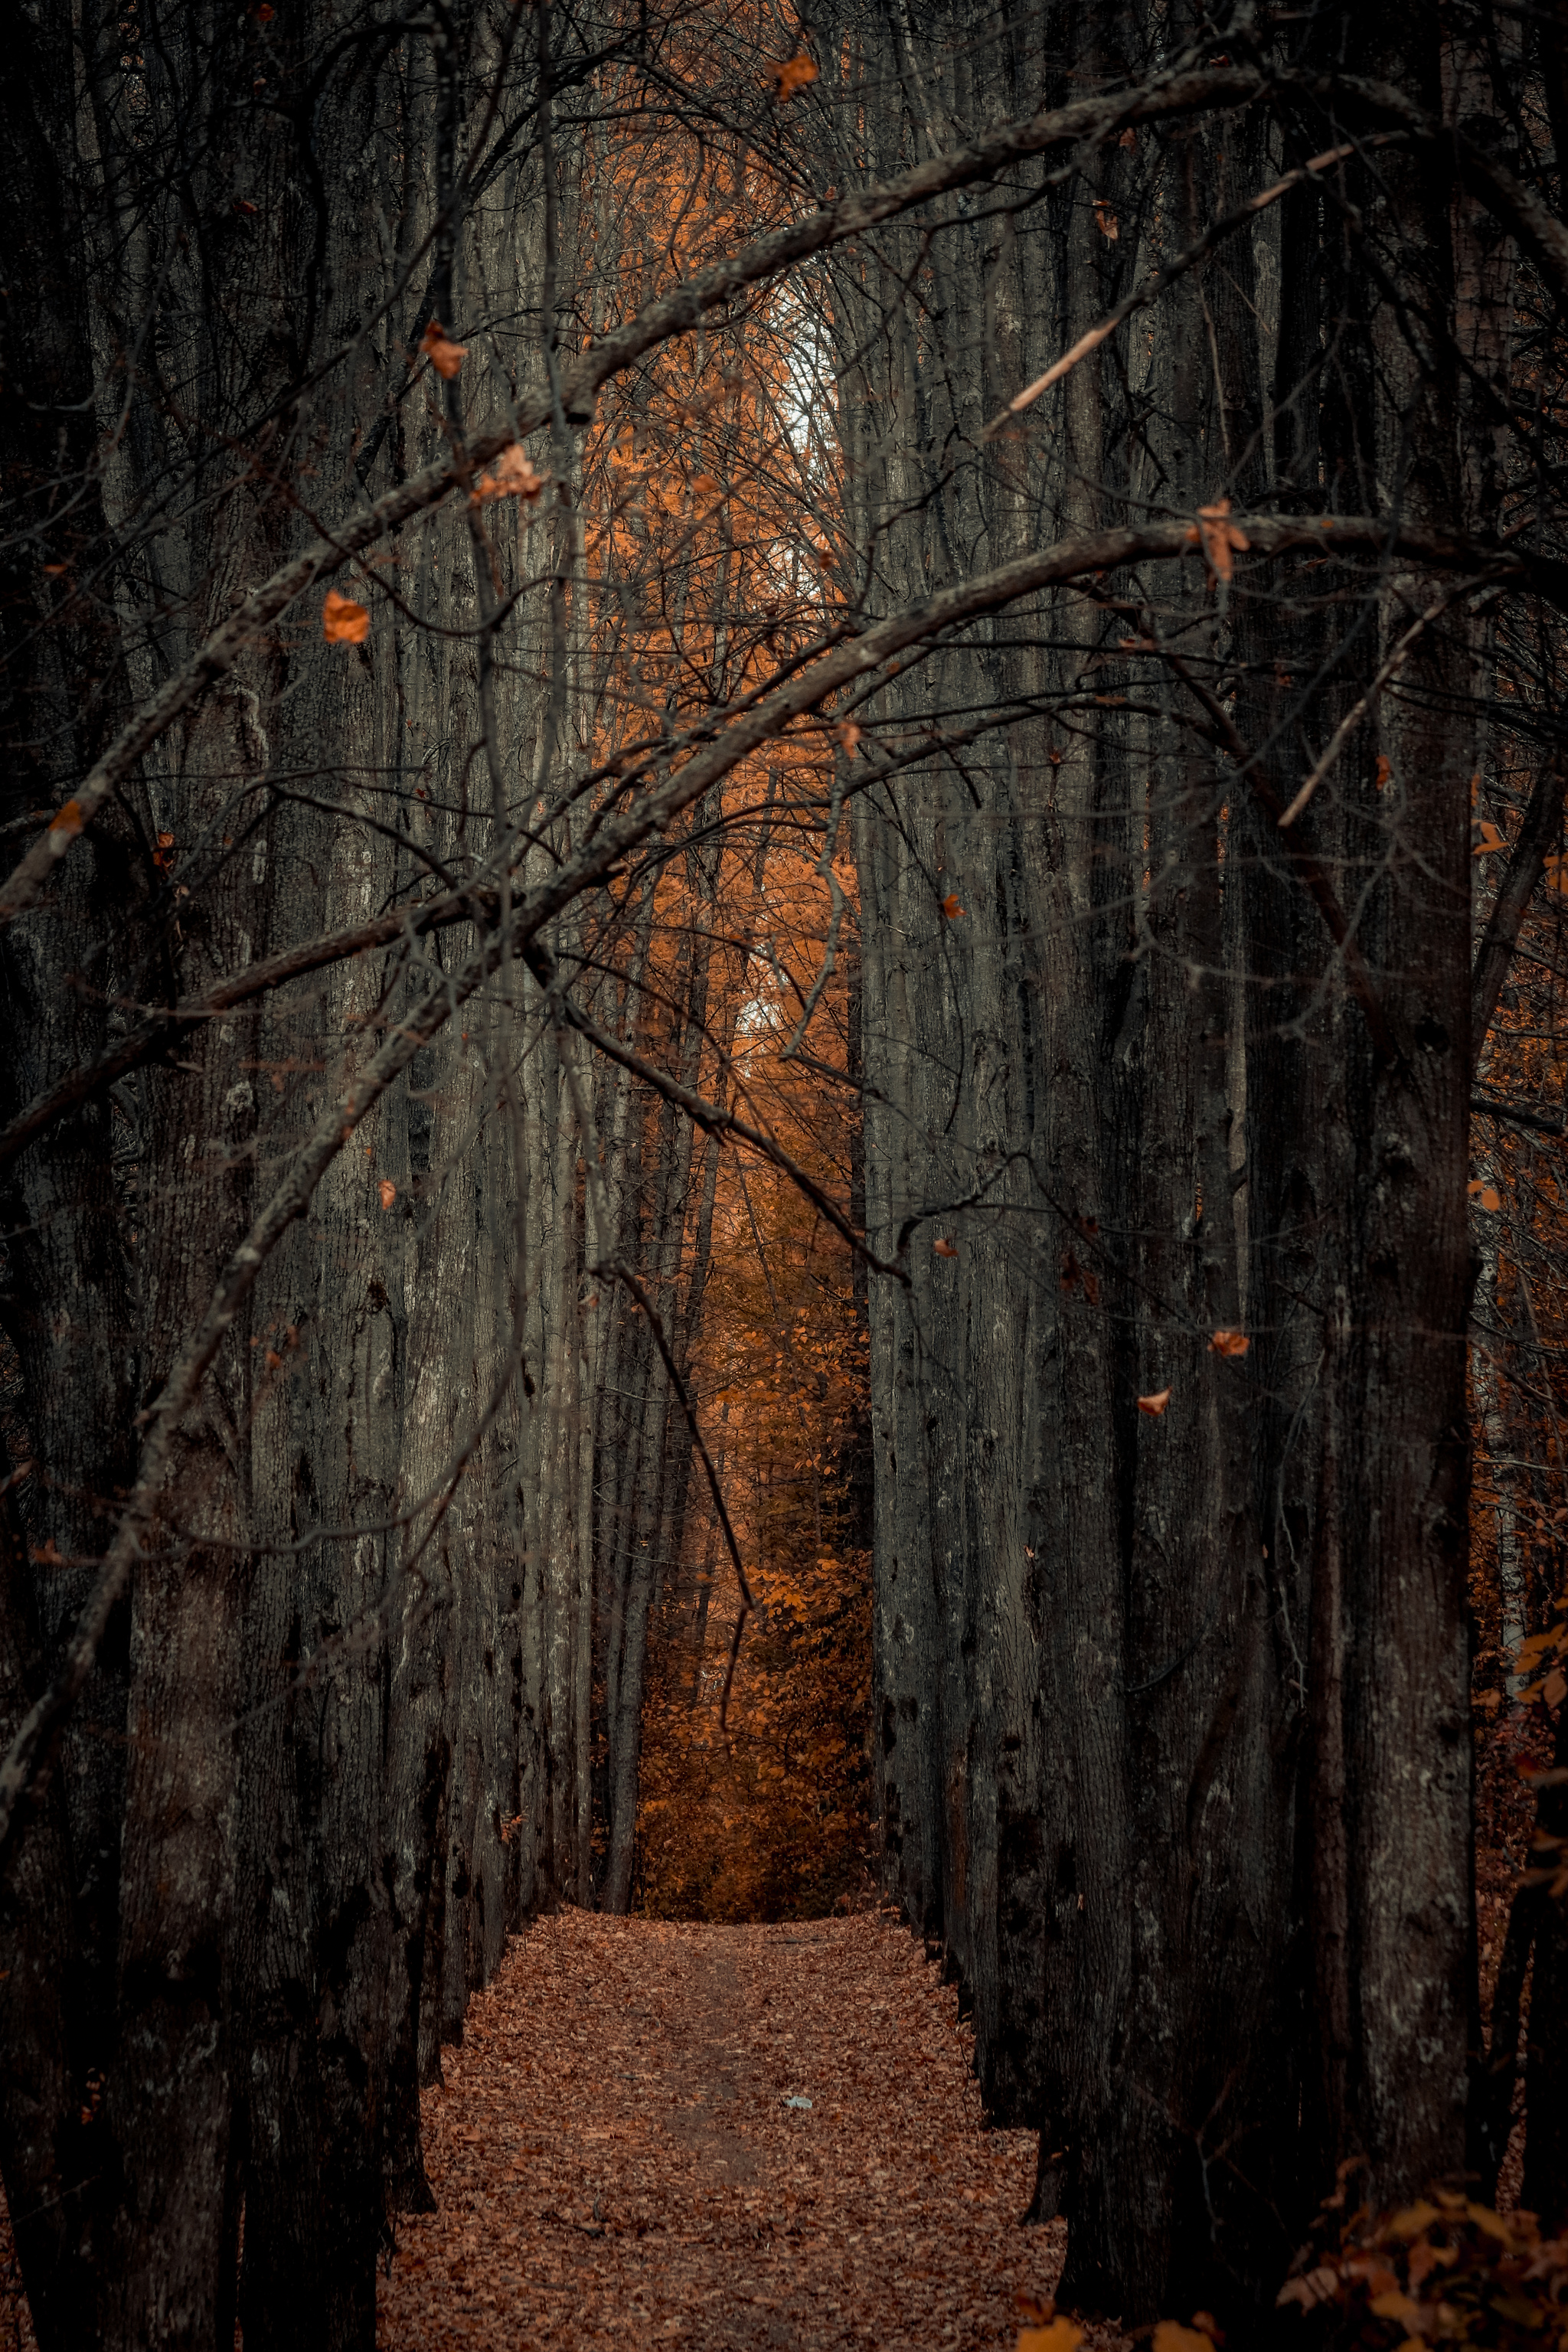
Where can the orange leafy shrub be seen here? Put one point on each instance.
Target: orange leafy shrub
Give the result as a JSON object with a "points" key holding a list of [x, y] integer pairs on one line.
{"points": [[1444, 2271]]}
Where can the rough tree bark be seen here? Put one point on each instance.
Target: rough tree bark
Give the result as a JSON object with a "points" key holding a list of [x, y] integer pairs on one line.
{"points": [[1172, 1704]]}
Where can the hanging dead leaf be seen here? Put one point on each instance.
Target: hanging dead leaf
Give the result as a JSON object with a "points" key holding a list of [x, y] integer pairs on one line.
{"points": [[793, 75], [1106, 221], [514, 477], [1129, 138], [1489, 838], [343, 622], [1230, 1343], [1222, 538], [1381, 772], [950, 907], [847, 735], [945, 1248], [388, 1191], [1154, 1406], [1554, 1689], [443, 355]]}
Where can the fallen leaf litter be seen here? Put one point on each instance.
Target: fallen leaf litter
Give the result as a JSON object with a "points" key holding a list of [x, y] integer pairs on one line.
{"points": [[617, 2144]]}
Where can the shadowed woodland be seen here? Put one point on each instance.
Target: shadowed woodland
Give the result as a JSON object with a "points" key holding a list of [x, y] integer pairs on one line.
{"points": [[782, 1126]]}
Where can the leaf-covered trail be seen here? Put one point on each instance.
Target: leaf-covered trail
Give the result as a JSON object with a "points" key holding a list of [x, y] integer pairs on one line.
{"points": [[612, 2147]]}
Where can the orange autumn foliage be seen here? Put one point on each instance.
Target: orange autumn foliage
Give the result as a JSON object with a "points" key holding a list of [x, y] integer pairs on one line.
{"points": [[693, 580]]}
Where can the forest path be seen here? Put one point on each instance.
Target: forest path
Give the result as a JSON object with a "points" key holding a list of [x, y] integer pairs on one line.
{"points": [[612, 2149]]}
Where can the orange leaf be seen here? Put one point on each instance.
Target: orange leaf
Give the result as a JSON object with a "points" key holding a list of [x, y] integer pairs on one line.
{"points": [[1062, 2335], [1383, 772], [1491, 838], [514, 477], [1487, 1196], [1230, 1343], [945, 1249], [950, 907], [444, 356], [1221, 538], [388, 1191], [1107, 222], [1554, 1689], [847, 734], [343, 622], [1154, 1406], [1171, 2336], [69, 820], [794, 75]]}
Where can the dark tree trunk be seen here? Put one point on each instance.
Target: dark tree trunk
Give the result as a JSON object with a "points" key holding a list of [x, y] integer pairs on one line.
{"points": [[1150, 1683]]}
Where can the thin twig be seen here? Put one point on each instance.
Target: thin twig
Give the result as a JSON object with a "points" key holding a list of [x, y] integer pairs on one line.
{"points": [[1363, 702], [1160, 279], [620, 1271]]}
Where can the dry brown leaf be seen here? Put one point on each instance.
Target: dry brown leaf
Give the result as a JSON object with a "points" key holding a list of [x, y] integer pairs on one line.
{"points": [[343, 622], [1230, 1343], [950, 907], [443, 355], [514, 477], [945, 1248], [793, 75], [1154, 1406], [1222, 539]]}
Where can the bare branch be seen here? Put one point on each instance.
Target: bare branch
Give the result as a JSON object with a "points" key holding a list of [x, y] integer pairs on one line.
{"points": [[656, 323]]}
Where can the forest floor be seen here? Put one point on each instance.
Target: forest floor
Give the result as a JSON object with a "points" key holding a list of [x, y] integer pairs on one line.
{"points": [[614, 2148]]}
